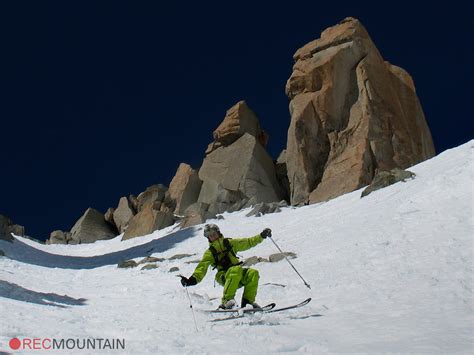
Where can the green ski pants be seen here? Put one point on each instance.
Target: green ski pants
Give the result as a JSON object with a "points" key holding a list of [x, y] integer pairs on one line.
{"points": [[236, 277]]}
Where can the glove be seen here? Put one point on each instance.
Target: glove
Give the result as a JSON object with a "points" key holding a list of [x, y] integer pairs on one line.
{"points": [[267, 232], [188, 281]]}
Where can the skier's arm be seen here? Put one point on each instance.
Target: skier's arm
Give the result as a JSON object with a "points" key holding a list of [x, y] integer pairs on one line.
{"points": [[201, 268], [242, 244]]}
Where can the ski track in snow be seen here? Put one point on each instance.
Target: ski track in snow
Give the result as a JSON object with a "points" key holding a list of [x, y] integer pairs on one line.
{"points": [[392, 272]]}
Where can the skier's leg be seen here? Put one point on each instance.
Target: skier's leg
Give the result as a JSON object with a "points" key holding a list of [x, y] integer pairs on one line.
{"points": [[250, 282], [232, 279], [220, 278]]}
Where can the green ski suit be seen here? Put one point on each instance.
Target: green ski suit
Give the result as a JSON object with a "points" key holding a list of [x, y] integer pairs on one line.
{"points": [[235, 276]]}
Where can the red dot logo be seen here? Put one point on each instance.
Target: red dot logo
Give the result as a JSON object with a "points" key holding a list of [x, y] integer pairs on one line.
{"points": [[15, 343]]}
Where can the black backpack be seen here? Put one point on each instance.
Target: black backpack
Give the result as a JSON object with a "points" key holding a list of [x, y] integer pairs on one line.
{"points": [[225, 261]]}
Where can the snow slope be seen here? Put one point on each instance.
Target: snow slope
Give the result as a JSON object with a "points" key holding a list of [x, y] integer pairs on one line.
{"points": [[392, 272]]}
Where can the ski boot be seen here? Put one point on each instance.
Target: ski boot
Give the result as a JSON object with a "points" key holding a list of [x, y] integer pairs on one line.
{"points": [[227, 304], [246, 302]]}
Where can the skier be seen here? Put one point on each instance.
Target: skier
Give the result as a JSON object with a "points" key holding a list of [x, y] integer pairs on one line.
{"points": [[230, 273]]}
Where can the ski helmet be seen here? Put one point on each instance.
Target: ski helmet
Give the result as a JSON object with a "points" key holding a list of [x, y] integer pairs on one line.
{"points": [[210, 229]]}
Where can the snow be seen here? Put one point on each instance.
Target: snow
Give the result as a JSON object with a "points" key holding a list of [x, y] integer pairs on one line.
{"points": [[391, 272]]}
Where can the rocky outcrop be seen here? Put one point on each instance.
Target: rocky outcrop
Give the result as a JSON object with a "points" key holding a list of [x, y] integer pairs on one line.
{"points": [[352, 114], [16, 229], [239, 119], [7, 228], [184, 188], [168, 204], [282, 175], [152, 196], [126, 264], [195, 214], [109, 216], [147, 221], [155, 211], [134, 202], [90, 227], [123, 214], [60, 237], [387, 178], [237, 172], [134, 216]]}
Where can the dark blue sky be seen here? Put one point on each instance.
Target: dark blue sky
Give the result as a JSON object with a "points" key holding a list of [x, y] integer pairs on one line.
{"points": [[102, 99]]}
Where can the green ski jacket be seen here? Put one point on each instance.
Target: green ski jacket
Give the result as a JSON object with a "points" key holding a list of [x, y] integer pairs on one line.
{"points": [[240, 244]]}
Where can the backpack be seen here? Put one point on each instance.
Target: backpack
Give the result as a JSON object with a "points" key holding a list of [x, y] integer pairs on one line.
{"points": [[225, 263]]}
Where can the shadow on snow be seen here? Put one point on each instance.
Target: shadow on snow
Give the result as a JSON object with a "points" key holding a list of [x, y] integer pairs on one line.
{"points": [[19, 293], [20, 251]]}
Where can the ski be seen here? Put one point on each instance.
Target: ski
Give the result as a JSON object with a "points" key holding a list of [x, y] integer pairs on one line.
{"points": [[268, 307], [301, 304], [272, 310]]}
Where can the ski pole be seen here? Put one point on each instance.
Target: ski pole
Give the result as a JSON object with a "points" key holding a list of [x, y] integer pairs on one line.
{"points": [[289, 262], [191, 306], [190, 303]]}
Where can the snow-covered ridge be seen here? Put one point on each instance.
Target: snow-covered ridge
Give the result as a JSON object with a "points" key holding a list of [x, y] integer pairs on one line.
{"points": [[394, 270]]}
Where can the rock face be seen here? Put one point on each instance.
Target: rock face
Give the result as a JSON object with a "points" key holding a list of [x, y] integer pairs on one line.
{"points": [[184, 188], [109, 216], [7, 228], [133, 201], [239, 119], [154, 212], [352, 114], [123, 214], [90, 227], [195, 214], [60, 237], [242, 170], [153, 195], [282, 175], [147, 221], [236, 172]]}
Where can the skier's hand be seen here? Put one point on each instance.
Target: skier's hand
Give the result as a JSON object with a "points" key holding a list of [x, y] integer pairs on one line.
{"points": [[188, 281], [267, 232]]}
